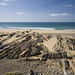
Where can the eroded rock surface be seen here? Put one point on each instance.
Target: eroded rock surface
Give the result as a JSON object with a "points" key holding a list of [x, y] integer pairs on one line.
{"points": [[28, 49]]}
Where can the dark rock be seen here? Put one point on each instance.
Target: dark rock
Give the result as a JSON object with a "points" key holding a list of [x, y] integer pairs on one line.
{"points": [[73, 63], [69, 56], [49, 36], [18, 35], [64, 54], [16, 56], [31, 72], [39, 40], [35, 51], [44, 48], [27, 31], [12, 34], [1, 35], [28, 38], [0, 43], [25, 53], [66, 64]]}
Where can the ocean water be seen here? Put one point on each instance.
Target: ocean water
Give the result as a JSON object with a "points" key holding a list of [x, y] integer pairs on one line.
{"points": [[38, 25]]}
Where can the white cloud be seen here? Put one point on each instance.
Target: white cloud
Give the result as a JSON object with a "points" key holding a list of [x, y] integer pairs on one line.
{"points": [[20, 13], [3, 3], [63, 14], [67, 5], [9, 0]]}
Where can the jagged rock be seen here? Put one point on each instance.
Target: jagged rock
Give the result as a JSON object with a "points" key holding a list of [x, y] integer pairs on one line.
{"points": [[73, 63], [45, 55], [44, 48], [51, 55], [24, 46], [18, 36], [64, 54], [16, 56], [35, 51], [28, 38], [49, 36], [24, 53], [0, 43], [27, 31], [31, 72], [12, 34], [66, 64], [1, 35], [69, 55], [30, 45], [39, 40]]}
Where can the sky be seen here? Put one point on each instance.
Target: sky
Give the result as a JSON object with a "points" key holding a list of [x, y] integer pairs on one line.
{"points": [[37, 10]]}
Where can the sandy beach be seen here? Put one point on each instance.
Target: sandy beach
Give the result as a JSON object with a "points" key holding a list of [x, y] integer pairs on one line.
{"points": [[43, 47], [39, 31]]}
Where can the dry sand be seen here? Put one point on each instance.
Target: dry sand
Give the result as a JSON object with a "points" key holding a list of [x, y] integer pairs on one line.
{"points": [[39, 31]]}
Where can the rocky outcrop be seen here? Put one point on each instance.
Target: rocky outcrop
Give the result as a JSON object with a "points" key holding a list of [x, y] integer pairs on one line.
{"points": [[64, 43], [23, 46], [29, 44], [49, 55]]}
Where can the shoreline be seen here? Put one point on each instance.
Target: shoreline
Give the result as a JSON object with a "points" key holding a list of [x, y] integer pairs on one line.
{"points": [[39, 31]]}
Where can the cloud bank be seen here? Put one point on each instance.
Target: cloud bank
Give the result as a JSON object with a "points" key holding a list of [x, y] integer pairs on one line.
{"points": [[9, 0], [63, 14], [20, 13], [3, 3], [67, 5]]}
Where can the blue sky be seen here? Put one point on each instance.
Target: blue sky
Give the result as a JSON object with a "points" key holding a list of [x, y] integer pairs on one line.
{"points": [[37, 10]]}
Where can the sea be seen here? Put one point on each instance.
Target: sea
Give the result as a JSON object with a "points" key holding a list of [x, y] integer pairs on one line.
{"points": [[39, 25]]}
